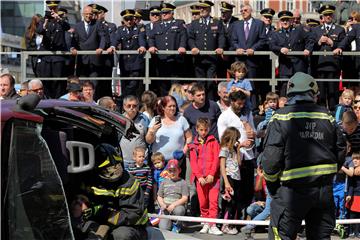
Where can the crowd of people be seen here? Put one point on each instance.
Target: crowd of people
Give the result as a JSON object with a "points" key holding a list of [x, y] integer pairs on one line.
{"points": [[192, 153], [205, 33]]}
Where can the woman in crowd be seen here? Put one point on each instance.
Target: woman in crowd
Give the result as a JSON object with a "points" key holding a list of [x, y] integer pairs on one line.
{"points": [[33, 43], [148, 102], [169, 131]]}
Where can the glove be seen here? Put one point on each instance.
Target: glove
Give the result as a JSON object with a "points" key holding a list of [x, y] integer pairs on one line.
{"points": [[90, 212]]}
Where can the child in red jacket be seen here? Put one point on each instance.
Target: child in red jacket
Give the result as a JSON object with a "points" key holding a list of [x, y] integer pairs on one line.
{"points": [[204, 161]]}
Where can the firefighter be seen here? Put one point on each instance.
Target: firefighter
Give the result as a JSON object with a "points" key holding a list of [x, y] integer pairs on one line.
{"points": [[304, 148], [116, 198]]}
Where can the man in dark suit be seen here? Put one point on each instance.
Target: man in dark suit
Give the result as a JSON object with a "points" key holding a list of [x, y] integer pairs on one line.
{"points": [[53, 29], [168, 34], [288, 39], [154, 17], [353, 35], [129, 37], [249, 36], [109, 30], [266, 17], [89, 36], [327, 38], [206, 34], [228, 20]]}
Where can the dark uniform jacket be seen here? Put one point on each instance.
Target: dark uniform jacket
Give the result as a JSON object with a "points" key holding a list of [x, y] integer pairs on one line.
{"points": [[53, 38], [302, 143], [206, 37], [109, 29], [328, 63], [168, 36], [228, 31], [120, 203], [296, 39], [130, 39], [352, 35], [256, 39], [92, 41]]}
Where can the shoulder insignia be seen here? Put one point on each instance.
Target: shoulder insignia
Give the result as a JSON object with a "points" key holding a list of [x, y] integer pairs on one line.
{"points": [[142, 29]]}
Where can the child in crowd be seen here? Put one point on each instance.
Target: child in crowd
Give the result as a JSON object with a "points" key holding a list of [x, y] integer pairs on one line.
{"points": [[172, 196], [204, 162], [230, 161], [353, 197], [158, 161], [239, 83], [282, 102], [346, 99], [270, 105], [148, 104], [260, 210], [142, 172]]}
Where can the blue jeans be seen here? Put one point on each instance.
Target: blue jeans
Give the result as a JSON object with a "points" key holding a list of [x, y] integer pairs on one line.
{"points": [[264, 214]]}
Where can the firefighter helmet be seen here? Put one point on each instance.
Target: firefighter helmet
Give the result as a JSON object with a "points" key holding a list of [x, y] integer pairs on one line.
{"points": [[300, 83]]}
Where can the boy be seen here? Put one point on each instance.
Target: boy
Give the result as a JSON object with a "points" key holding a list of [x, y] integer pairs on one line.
{"points": [[239, 83], [142, 172], [204, 161], [172, 196]]}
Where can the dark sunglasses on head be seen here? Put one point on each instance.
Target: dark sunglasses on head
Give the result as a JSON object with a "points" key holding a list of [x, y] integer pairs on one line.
{"points": [[356, 101]]}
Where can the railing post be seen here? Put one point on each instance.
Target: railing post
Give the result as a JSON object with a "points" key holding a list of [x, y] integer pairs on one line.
{"points": [[23, 58], [147, 80], [273, 81]]}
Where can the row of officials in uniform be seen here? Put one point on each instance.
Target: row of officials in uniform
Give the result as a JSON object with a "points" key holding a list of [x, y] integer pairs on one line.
{"points": [[204, 33]]}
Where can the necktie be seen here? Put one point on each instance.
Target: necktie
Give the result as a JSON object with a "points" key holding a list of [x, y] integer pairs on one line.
{"points": [[287, 33], [87, 28], [247, 30], [327, 28]]}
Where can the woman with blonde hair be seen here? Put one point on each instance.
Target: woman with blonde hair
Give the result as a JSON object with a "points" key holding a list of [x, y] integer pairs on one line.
{"points": [[178, 93]]}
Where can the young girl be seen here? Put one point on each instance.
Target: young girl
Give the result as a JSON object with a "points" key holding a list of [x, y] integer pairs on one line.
{"points": [[230, 161], [353, 198], [178, 93], [346, 99]]}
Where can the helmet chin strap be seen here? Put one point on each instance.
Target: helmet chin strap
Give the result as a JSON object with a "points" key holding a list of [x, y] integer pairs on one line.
{"points": [[112, 175]]}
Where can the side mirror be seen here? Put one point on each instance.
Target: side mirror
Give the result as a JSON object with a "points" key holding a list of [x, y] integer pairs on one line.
{"points": [[82, 156]]}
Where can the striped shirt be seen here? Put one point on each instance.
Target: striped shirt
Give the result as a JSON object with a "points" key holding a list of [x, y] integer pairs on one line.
{"points": [[144, 175]]}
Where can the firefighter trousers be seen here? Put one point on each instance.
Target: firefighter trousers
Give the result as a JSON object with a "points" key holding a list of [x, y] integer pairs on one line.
{"points": [[291, 205]]}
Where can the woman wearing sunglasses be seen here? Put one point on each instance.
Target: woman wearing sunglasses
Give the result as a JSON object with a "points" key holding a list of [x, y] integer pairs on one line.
{"points": [[356, 106]]}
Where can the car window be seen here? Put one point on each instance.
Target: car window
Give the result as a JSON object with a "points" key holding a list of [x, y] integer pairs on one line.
{"points": [[35, 203]]}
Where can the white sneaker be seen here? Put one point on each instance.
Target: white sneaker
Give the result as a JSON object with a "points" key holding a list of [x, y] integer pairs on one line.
{"points": [[214, 230], [232, 231], [205, 228]]}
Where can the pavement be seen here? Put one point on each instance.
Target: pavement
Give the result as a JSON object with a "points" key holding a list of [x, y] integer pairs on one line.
{"points": [[192, 233]]}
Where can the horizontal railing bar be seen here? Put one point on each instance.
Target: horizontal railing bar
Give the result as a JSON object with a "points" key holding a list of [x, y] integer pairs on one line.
{"points": [[172, 52]]}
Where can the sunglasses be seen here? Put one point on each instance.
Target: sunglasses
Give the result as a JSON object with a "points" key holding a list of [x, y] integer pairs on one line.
{"points": [[37, 90], [164, 13], [127, 19], [131, 105], [244, 10], [155, 14], [356, 107]]}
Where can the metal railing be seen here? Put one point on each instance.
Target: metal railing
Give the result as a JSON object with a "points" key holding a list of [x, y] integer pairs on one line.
{"points": [[273, 81]]}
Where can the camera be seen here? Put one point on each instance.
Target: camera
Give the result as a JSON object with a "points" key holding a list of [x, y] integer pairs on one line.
{"points": [[48, 15]]}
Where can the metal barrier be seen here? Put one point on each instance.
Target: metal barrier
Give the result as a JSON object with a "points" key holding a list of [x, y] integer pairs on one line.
{"points": [[273, 81]]}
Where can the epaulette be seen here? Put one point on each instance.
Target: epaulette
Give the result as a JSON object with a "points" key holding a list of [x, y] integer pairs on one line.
{"points": [[142, 29]]}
